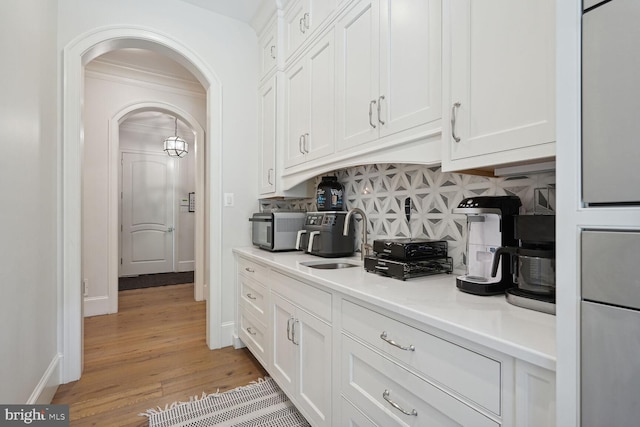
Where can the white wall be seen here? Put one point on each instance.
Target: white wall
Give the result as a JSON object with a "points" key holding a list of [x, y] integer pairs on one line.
{"points": [[229, 48], [28, 208]]}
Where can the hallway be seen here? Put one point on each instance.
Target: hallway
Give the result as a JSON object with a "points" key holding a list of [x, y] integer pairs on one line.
{"points": [[150, 354]]}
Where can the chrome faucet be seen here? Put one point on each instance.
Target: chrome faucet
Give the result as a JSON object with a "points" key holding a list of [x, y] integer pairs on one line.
{"points": [[364, 246]]}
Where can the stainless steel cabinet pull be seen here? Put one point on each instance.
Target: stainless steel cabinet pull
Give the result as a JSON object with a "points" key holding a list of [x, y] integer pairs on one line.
{"points": [[289, 335], [379, 105], [371, 104], [272, 54], [250, 270], [306, 20], [300, 143], [305, 143], [251, 296], [250, 331], [302, 29], [453, 121], [293, 332], [380, 267], [269, 177], [383, 336], [385, 396]]}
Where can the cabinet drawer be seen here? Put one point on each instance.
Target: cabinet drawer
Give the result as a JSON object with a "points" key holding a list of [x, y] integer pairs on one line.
{"points": [[253, 297], [311, 299], [253, 335], [383, 390], [472, 375], [252, 269], [609, 262], [350, 416]]}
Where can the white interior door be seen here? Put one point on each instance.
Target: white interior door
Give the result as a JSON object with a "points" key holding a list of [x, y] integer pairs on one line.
{"points": [[147, 238]]}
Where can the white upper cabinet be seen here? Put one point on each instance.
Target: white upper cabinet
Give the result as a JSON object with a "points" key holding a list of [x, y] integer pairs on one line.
{"points": [[268, 49], [357, 72], [388, 68], [499, 82], [267, 135], [410, 64], [309, 104], [301, 19]]}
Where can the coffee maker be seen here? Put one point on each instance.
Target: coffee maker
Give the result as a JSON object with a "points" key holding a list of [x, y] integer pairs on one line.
{"points": [[489, 227], [533, 263]]}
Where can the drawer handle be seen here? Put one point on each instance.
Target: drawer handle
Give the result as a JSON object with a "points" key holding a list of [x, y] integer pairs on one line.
{"points": [[250, 270], [383, 335], [251, 296], [250, 331], [385, 395]]}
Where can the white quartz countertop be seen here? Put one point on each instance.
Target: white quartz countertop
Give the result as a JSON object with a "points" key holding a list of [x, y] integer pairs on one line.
{"points": [[433, 300]]}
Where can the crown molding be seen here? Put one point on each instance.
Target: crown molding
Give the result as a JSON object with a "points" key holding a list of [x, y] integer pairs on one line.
{"points": [[133, 75]]}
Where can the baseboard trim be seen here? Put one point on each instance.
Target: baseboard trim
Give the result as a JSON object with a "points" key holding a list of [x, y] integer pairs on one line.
{"points": [[96, 306], [48, 384], [227, 330]]}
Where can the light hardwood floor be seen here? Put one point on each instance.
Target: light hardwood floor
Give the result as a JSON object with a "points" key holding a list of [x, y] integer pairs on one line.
{"points": [[150, 354]]}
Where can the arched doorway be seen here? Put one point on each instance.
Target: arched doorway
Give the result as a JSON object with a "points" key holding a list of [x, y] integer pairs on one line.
{"points": [[198, 150], [76, 54]]}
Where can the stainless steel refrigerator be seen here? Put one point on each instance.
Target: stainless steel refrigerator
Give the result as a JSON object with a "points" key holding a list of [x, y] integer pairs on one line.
{"points": [[610, 257]]}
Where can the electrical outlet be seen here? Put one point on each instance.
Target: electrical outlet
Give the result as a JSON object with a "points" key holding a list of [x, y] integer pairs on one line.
{"points": [[85, 287]]}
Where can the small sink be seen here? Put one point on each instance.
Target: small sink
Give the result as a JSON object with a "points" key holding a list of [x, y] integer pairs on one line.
{"points": [[324, 265]]}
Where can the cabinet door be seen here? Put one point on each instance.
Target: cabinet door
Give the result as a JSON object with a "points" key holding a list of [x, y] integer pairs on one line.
{"points": [[535, 396], [410, 64], [284, 351], [320, 140], [319, 11], [313, 338], [502, 76], [357, 72], [268, 50], [267, 135], [296, 116], [295, 30]]}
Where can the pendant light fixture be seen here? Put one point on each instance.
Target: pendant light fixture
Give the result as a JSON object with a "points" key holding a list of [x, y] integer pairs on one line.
{"points": [[174, 145]]}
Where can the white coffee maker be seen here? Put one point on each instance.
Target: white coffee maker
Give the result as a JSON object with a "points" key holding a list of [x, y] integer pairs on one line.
{"points": [[489, 227]]}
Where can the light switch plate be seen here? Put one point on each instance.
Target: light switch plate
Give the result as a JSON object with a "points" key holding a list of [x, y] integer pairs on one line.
{"points": [[228, 199]]}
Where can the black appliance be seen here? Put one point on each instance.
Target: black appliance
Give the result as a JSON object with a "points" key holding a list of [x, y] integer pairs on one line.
{"points": [[322, 235], [410, 249], [489, 227], [407, 258], [533, 263]]}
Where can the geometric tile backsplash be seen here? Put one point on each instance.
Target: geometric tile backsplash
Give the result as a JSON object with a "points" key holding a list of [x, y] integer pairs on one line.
{"points": [[380, 191]]}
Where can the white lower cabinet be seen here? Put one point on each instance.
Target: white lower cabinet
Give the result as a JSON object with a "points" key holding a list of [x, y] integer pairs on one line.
{"points": [[345, 362], [535, 396], [301, 358], [393, 396]]}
